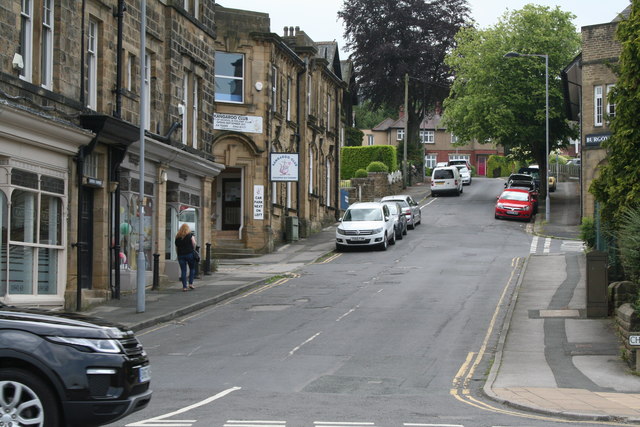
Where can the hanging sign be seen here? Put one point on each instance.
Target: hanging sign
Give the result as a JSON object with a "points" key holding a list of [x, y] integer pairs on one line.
{"points": [[284, 166]]}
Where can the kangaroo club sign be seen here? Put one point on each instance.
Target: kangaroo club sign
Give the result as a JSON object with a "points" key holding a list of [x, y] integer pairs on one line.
{"points": [[284, 166]]}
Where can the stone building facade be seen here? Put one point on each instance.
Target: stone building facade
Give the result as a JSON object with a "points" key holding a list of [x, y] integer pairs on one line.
{"points": [[600, 52], [70, 93], [277, 129]]}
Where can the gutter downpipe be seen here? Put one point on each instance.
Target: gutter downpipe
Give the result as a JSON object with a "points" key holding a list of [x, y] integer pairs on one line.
{"points": [[141, 265], [299, 113], [79, 172]]}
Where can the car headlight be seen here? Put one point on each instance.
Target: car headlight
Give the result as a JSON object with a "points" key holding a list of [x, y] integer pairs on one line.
{"points": [[340, 231], [90, 344], [377, 230], [527, 207], [500, 206]]}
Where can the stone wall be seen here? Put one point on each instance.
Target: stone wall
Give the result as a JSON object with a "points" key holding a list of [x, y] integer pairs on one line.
{"points": [[372, 188], [621, 297]]}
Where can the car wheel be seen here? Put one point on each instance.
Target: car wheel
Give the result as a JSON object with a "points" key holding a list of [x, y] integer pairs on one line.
{"points": [[458, 193], [496, 216], [338, 248], [400, 235], [420, 220], [27, 399], [393, 241], [404, 232], [385, 243]]}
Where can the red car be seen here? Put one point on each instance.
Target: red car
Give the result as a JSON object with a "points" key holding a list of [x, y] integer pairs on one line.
{"points": [[515, 203]]}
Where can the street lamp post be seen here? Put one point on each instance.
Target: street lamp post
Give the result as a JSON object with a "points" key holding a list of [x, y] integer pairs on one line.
{"points": [[547, 211]]}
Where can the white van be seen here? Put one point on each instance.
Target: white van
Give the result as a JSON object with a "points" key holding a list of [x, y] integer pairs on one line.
{"points": [[446, 180]]}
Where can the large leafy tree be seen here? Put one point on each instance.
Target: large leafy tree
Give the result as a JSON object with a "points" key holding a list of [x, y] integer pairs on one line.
{"points": [[502, 100], [393, 38], [617, 188]]}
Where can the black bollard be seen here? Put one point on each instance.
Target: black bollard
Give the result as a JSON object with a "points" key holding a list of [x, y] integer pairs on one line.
{"points": [[207, 260], [197, 275], [156, 274]]}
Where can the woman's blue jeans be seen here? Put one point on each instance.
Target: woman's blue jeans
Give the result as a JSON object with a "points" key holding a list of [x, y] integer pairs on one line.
{"points": [[185, 260]]}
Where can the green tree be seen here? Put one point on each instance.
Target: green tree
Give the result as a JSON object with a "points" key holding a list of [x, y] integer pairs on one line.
{"points": [[354, 137], [617, 188], [390, 39], [502, 100]]}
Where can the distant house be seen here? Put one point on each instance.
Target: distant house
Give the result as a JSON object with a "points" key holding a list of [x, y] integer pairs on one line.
{"points": [[438, 143]]}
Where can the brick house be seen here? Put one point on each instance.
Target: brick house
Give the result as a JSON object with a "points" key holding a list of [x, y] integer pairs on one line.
{"points": [[587, 81], [69, 104], [438, 143], [278, 127]]}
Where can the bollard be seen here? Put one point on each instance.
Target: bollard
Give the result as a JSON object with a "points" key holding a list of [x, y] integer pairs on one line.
{"points": [[156, 274], [207, 260], [197, 275]]}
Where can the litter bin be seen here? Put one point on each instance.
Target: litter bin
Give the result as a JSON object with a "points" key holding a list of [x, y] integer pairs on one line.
{"points": [[597, 283], [291, 228]]}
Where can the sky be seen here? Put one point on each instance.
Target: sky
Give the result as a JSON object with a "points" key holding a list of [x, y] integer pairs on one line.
{"points": [[318, 18]]}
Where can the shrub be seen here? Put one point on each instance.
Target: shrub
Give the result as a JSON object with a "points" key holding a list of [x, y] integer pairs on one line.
{"points": [[361, 173], [588, 232], [629, 244], [377, 167], [354, 158], [427, 171]]}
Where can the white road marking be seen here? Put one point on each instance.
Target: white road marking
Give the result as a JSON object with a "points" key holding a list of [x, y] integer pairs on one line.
{"points": [[534, 245], [432, 425], [547, 245], [254, 423], [306, 342], [347, 313], [341, 424], [161, 422]]}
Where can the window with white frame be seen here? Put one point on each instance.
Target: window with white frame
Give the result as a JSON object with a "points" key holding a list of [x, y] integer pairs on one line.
{"points": [[229, 77], [192, 6], [400, 135], [597, 105], [185, 107], [130, 75], [611, 106], [327, 196], [194, 114], [274, 89], [147, 91], [454, 139], [460, 157], [430, 160], [46, 45], [328, 112], [92, 64], [370, 140], [427, 136], [26, 38], [289, 98], [311, 171]]}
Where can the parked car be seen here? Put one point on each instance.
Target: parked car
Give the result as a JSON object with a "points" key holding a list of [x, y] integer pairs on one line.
{"points": [[400, 219], [514, 204], [366, 224], [465, 174], [410, 207], [521, 178], [463, 162], [442, 164], [528, 186], [575, 161], [446, 180], [534, 170], [65, 369]]}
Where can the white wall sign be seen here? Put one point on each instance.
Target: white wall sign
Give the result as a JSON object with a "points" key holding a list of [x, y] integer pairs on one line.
{"points": [[258, 202], [238, 123], [284, 166]]}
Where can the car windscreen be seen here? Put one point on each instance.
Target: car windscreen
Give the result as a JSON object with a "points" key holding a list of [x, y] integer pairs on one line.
{"points": [[514, 195], [443, 174], [363, 215]]}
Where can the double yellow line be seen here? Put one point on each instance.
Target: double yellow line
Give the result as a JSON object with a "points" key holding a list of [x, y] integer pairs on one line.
{"points": [[460, 384]]}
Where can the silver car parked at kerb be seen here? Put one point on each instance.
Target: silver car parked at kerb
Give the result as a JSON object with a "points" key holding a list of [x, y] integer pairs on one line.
{"points": [[410, 207]]}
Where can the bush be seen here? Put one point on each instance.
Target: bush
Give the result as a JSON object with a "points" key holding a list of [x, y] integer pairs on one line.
{"points": [[588, 232], [354, 158], [377, 167], [629, 244], [361, 173], [427, 171], [498, 166]]}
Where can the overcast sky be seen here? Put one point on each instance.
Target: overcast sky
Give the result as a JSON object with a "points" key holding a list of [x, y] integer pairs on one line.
{"points": [[318, 18]]}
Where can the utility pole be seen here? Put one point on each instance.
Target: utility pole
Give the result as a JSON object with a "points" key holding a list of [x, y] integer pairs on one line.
{"points": [[406, 129]]}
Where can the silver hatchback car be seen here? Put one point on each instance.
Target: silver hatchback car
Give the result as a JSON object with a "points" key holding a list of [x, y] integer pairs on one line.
{"points": [[410, 207]]}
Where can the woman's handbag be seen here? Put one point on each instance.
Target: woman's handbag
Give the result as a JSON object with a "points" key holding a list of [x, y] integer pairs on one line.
{"points": [[196, 255]]}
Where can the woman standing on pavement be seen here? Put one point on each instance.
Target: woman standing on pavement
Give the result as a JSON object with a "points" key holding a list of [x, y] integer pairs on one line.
{"points": [[185, 245]]}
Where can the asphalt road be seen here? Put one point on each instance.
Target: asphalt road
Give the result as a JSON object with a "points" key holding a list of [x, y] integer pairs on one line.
{"points": [[367, 338]]}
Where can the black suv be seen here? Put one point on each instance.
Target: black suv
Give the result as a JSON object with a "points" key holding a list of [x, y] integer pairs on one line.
{"points": [[66, 369]]}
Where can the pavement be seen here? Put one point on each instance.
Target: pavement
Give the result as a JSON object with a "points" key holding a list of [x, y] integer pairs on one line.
{"points": [[550, 358]]}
